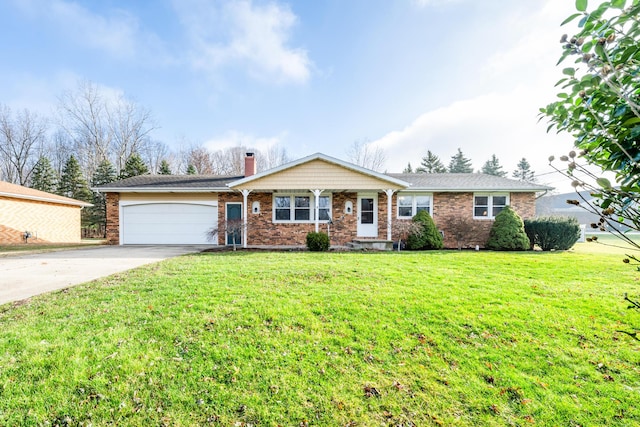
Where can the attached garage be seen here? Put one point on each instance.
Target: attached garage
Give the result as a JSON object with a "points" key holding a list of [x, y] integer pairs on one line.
{"points": [[172, 223]]}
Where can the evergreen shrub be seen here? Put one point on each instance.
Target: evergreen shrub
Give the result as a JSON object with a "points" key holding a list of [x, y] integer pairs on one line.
{"points": [[318, 242], [553, 232], [507, 232], [426, 235]]}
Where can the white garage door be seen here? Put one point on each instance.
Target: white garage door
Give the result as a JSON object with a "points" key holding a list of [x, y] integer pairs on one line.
{"points": [[168, 223]]}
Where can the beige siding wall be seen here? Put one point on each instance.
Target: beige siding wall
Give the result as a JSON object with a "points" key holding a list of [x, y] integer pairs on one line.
{"points": [[48, 221], [318, 174]]}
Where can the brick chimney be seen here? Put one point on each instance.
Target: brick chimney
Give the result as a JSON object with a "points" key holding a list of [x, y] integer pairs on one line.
{"points": [[249, 165]]}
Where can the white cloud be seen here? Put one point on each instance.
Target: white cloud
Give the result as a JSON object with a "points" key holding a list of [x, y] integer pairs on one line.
{"points": [[241, 33], [235, 138], [114, 34], [426, 3], [500, 117]]}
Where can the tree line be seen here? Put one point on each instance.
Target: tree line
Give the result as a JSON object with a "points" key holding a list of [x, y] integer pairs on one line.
{"points": [[95, 137], [459, 163]]}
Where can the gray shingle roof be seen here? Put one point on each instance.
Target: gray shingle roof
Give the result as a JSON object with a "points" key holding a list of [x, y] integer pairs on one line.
{"points": [[445, 182], [465, 182], [170, 182]]}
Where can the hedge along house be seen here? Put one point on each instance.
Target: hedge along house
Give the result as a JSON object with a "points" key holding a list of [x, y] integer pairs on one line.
{"points": [[49, 218], [278, 207]]}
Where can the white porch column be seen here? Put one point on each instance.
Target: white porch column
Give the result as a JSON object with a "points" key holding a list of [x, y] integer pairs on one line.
{"points": [[316, 196], [389, 194], [245, 195]]}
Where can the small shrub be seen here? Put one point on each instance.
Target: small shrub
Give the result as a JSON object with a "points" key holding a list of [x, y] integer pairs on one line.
{"points": [[426, 235], [553, 232], [507, 232], [318, 242]]}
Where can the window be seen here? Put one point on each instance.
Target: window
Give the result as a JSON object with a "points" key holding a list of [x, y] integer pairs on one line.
{"points": [[325, 208], [303, 208], [300, 208], [411, 204], [489, 205], [282, 207]]}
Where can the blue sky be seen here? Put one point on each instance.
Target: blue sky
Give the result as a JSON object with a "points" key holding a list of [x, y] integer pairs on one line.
{"points": [[407, 75]]}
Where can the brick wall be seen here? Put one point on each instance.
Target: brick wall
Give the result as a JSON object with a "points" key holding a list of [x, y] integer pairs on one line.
{"points": [[48, 222], [113, 218], [524, 204], [262, 231]]}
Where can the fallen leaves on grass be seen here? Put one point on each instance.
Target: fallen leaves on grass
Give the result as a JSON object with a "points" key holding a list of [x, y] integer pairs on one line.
{"points": [[370, 391]]}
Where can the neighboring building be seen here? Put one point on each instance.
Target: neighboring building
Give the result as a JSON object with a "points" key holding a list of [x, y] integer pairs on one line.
{"points": [[47, 217], [556, 205], [316, 193]]}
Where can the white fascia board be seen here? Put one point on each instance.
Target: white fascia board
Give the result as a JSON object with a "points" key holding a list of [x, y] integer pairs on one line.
{"points": [[162, 190], [69, 202]]}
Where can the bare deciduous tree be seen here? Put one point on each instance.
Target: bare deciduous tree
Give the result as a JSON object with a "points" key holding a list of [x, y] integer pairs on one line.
{"points": [[22, 140], [273, 157], [83, 117], [129, 124], [102, 126], [153, 153], [232, 228], [363, 153]]}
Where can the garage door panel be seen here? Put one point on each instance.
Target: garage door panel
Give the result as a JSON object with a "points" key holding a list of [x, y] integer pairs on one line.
{"points": [[168, 223]]}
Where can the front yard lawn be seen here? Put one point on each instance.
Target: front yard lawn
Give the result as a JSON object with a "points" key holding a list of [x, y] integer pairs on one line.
{"points": [[330, 339]]}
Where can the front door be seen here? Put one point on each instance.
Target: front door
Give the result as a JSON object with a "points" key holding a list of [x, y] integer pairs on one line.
{"points": [[234, 223], [367, 215]]}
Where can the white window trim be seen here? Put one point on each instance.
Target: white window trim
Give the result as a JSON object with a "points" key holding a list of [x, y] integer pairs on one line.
{"points": [[413, 204], [312, 208], [490, 197]]}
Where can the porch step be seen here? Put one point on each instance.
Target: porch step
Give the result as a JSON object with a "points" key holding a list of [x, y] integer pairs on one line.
{"points": [[371, 244]]}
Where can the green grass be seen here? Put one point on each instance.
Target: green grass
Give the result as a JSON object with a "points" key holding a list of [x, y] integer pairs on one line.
{"points": [[330, 339], [608, 244]]}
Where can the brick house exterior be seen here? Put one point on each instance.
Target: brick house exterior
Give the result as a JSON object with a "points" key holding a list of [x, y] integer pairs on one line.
{"points": [[48, 217], [277, 207]]}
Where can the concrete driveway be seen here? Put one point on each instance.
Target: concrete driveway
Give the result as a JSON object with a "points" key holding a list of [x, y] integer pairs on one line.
{"points": [[24, 276]]}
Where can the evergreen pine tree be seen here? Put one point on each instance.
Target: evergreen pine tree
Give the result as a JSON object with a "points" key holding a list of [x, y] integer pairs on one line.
{"points": [[408, 169], [523, 171], [72, 183], [460, 164], [44, 178], [431, 164], [104, 174], [134, 167], [493, 167], [191, 170], [164, 169]]}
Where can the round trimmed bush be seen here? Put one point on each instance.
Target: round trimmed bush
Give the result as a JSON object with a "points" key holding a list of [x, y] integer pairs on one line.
{"points": [[426, 234], [318, 242], [507, 232]]}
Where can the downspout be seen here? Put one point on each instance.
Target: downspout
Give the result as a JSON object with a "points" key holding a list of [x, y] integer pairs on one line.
{"points": [[389, 194], [316, 196], [245, 195]]}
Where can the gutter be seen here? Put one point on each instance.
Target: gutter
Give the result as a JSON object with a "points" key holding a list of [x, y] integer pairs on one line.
{"points": [[70, 202]]}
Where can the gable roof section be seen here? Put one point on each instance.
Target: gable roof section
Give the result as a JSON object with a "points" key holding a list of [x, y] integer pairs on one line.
{"points": [[319, 171], [169, 183], [466, 182], [14, 191]]}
